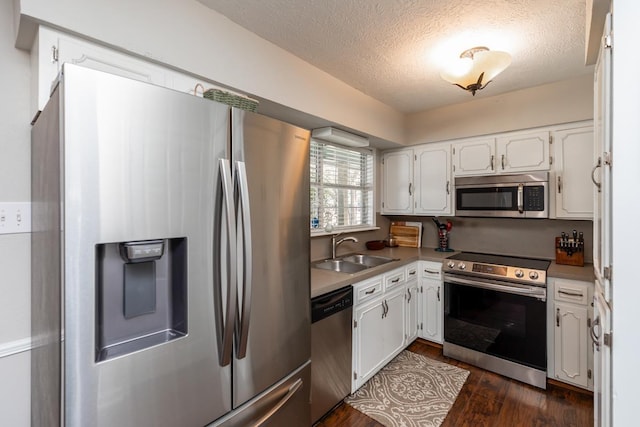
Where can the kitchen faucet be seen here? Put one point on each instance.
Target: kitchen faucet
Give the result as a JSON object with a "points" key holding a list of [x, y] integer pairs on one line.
{"points": [[335, 244]]}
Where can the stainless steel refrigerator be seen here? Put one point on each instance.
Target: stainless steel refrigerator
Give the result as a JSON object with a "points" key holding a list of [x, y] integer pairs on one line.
{"points": [[170, 260]]}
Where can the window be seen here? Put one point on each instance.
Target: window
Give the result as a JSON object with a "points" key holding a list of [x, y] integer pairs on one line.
{"points": [[341, 187]]}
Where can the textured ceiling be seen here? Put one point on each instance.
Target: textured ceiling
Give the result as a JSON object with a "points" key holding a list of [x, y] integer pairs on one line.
{"points": [[393, 50]]}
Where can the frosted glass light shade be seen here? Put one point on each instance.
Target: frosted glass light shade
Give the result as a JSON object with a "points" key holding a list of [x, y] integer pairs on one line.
{"points": [[467, 72]]}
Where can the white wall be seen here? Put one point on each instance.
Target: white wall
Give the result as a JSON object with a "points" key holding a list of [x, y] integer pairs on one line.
{"points": [[554, 103], [188, 36], [15, 170]]}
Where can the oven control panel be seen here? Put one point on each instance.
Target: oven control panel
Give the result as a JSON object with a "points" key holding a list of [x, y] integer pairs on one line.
{"points": [[519, 274]]}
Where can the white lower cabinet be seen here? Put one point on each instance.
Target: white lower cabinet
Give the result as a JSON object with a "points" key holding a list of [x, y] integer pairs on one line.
{"points": [[379, 322], [432, 301], [571, 319], [413, 304]]}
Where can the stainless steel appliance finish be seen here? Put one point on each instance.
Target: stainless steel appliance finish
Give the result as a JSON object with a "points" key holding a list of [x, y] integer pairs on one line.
{"points": [[501, 268], [495, 314], [118, 162], [511, 196], [331, 330]]}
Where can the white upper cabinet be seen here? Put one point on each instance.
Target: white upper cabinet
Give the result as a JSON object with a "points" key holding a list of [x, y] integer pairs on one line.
{"points": [[474, 157], [397, 179], [573, 154], [523, 152], [53, 48], [433, 181], [507, 153]]}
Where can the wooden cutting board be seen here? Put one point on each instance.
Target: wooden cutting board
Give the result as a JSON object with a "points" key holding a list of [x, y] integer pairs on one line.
{"points": [[406, 235]]}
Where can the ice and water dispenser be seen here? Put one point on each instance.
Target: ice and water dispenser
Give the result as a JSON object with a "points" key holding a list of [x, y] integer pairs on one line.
{"points": [[141, 295]]}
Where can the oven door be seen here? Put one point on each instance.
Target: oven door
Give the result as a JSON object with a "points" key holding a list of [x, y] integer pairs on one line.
{"points": [[504, 320]]}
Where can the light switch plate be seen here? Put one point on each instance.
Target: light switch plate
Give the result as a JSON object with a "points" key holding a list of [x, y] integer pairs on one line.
{"points": [[15, 217]]}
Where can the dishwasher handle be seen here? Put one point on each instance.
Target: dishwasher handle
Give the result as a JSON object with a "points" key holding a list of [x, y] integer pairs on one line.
{"points": [[331, 303]]}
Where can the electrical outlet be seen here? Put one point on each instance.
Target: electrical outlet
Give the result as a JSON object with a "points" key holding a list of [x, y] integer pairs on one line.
{"points": [[15, 217]]}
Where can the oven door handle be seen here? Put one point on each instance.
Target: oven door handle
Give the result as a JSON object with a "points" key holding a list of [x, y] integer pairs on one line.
{"points": [[527, 291]]}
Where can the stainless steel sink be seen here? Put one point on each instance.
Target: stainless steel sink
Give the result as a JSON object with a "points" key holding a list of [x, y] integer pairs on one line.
{"points": [[340, 266], [368, 260], [352, 263]]}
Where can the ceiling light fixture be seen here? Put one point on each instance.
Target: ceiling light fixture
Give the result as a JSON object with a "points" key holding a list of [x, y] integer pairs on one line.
{"points": [[338, 136], [476, 68]]}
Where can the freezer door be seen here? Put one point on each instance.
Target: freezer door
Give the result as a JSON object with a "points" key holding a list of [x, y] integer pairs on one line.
{"points": [[142, 164], [273, 329], [284, 404]]}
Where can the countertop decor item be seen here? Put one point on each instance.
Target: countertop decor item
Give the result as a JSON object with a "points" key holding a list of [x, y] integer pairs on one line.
{"points": [[570, 249], [407, 234], [443, 235], [375, 245]]}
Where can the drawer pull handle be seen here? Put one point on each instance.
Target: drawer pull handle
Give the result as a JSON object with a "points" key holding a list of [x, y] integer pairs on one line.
{"points": [[431, 271], [571, 294], [411, 273], [370, 291], [396, 280]]}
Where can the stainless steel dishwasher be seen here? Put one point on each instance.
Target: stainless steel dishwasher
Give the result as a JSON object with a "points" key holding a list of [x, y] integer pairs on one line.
{"points": [[330, 350]]}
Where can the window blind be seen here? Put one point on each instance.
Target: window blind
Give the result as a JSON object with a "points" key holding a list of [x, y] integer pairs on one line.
{"points": [[341, 187]]}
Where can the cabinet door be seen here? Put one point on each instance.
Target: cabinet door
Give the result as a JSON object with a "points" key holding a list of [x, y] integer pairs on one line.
{"points": [[412, 322], [432, 313], [397, 182], [573, 152], [368, 341], [475, 157], [393, 327], [523, 152], [433, 180], [571, 344]]}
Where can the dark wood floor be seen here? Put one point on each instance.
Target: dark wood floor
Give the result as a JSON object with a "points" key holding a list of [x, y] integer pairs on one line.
{"points": [[488, 399]]}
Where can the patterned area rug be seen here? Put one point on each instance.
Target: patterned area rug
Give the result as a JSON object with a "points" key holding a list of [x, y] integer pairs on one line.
{"points": [[412, 390]]}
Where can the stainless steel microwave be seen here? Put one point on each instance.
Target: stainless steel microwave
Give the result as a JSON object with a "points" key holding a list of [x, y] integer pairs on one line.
{"points": [[510, 196]]}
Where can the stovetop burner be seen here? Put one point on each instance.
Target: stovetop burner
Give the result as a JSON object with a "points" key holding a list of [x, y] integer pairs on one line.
{"points": [[504, 268]]}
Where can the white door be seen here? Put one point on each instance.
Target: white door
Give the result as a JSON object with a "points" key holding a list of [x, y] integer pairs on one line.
{"points": [[602, 361], [393, 327], [475, 157], [369, 340], [432, 313], [412, 323], [573, 153], [523, 153], [601, 172], [433, 180], [571, 344], [397, 182]]}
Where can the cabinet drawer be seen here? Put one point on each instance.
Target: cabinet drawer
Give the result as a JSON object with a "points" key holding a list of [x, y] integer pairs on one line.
{"points": [[412, 272], [394, 279], [572, 291], [368, 289], [431, 270]]}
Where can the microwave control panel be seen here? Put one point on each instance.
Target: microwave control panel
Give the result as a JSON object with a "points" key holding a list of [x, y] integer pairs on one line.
{"points": [[534, 198]]}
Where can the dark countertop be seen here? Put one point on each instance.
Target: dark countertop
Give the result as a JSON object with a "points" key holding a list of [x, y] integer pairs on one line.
{"points": [[323, 281]]}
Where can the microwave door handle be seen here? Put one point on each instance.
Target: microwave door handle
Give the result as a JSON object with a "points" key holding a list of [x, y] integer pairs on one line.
{"points": [[520, 198]]}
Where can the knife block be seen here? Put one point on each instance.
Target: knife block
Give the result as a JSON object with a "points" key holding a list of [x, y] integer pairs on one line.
{"points": [[562, 255]]}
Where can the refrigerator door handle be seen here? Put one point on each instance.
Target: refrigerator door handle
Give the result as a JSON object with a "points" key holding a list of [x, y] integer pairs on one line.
{"points": [[290, 393], [244, 294], [228, 265]]}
